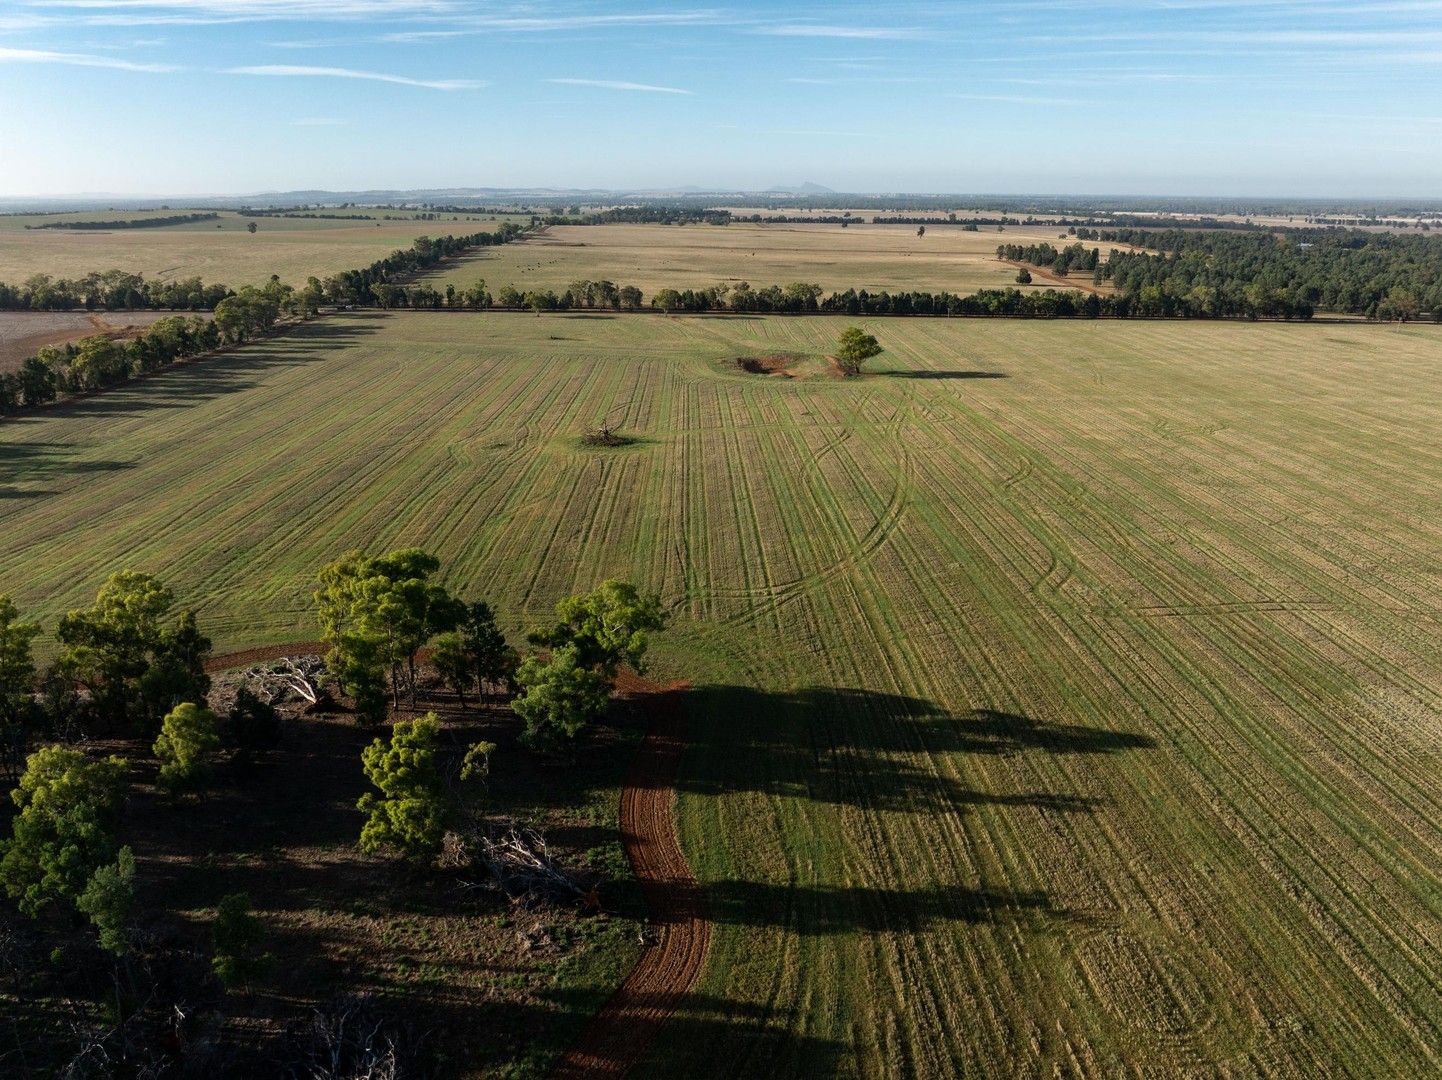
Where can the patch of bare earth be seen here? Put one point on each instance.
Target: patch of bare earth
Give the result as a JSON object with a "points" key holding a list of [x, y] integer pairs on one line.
{"points": [[23, 333], [775, 364]]}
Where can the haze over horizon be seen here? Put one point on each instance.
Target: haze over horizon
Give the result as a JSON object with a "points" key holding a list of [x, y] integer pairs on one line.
{"points": [[1145, 97]]}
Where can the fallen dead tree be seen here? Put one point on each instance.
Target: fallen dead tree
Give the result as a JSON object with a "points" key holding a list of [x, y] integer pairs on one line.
{"points": [[517, 862], [278, 681]]}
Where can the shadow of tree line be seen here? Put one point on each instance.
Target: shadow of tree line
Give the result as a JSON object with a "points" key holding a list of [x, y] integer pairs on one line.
{"points": [[877, 752]]}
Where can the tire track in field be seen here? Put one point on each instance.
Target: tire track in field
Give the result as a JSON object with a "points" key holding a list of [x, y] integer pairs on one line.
{"points": [[773, 598]]}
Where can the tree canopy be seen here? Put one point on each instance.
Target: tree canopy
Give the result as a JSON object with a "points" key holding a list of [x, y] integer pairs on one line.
{"points": [[855, 347], [413, 807]]}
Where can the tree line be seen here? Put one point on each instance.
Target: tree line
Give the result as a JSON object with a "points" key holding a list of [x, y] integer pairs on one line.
{"points": [[803, 298], [129, 223], [100, 361]]}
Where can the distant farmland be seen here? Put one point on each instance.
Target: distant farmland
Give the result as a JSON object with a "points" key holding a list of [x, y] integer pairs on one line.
{"points": [[1066, 694], [652, 257], [218, 251]]}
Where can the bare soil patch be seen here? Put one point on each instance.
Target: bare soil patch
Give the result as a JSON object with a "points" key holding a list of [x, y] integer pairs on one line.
{"points": [[775, 364]]}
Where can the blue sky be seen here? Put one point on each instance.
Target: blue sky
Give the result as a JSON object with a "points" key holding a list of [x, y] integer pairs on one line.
{"points": [[1101, 96]]}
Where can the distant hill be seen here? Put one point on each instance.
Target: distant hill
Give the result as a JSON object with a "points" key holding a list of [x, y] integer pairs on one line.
{"points": [[805, 188]]}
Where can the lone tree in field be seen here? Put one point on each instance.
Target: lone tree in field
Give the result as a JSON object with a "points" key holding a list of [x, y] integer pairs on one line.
{"points": [[855, 347], [414, 807], [1023, 276]]}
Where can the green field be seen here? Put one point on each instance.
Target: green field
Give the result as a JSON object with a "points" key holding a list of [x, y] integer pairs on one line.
{"points": [[224, 251], [1066, 693], [654, 257]]}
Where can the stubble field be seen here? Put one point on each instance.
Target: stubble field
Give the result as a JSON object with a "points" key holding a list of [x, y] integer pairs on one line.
{"points": [[223, 251], [1066, 693], [653, 257]]}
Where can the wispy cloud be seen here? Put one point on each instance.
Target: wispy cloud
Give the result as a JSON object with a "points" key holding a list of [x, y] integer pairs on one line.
{"points": [[43, 14], [305, 71], [462, 27], [45, 56], [264, 9], [616, 84], [815, 30], [1016, 99], [318, 121]]}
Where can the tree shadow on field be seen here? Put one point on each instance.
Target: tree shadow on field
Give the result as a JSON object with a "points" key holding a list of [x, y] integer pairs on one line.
{"points": [[862, 748], [230, 371], [881, 754], [703, 1035], [927, 373], [833, 909], [43, 462]]}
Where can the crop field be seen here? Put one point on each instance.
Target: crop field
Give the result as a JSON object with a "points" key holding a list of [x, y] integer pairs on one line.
{"points": [[1066, 695], [224, 251], [653, 257]]}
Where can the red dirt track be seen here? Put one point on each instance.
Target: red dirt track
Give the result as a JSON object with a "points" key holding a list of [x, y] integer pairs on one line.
{"points": [[246, 657], [618, 1036]]}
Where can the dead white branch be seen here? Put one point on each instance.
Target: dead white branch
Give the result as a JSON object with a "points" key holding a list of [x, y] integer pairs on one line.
{"points": [[277, 681]]}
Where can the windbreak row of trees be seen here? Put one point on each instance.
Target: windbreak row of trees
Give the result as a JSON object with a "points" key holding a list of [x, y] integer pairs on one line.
{"points": [[605, 295], [101, 361], [110, 290], [129, 223], [359, 286], [1218, 274], [95, 363], [643, 215]]}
